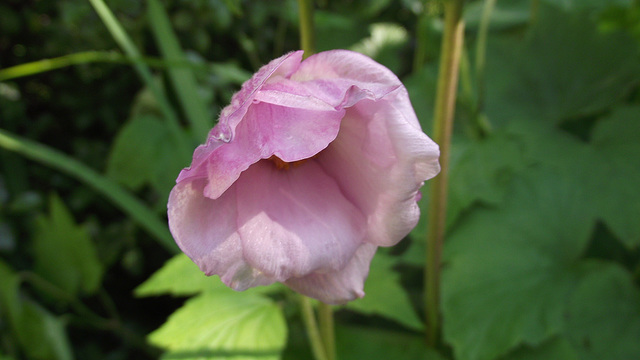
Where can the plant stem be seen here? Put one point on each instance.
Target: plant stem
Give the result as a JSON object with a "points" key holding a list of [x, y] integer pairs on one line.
{"points": [[422, 30], [535, 5], [325, 316], [124, 41], [307, 31], [310, 324], [481, 50], [129, 204], [443, 126]]}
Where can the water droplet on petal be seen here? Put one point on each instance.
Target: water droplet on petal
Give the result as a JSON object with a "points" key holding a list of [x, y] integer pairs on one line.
{"points": [[222, 132]]}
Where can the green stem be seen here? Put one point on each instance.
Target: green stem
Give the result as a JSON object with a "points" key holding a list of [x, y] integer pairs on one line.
{"points": [[443, 126], [422, 29], [481, 50], [310, 324], [535, 5], [123, 40], [307, 31], [138, 211], [325, 316]]}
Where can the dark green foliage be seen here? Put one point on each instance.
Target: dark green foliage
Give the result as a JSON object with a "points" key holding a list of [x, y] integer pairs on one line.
{"points": [[542, 256]]}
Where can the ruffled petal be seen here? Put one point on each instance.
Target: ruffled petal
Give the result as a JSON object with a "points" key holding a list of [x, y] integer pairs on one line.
{"points": [[294, 222], [205, 230], [380, 160], [291, 134], [338, 287], [232, 115]]}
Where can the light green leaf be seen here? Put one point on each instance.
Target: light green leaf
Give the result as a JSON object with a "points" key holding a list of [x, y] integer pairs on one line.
{"points": [[238, 326], [64, 253], [616, 191], [378, 344], [180, 277], [385, 296], [564, 69], [604, 315], [510, 269]]}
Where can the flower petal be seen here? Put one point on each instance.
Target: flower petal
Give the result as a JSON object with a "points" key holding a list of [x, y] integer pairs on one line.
{"points": [[294, 222], [205, 230], [231, 115], [266, 130], [338, 287], [380, 159]]}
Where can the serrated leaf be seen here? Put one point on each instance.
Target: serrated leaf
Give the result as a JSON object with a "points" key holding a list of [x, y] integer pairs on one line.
{"points": [[179, 277], [238, 326], [510, 269], [564, 69], [604, 315], [64, 253], [616, 190], [385, 296], [378, 344], [481, 172]]}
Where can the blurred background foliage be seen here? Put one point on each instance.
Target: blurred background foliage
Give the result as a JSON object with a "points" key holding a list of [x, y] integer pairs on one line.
{"points": [[542, 259]]}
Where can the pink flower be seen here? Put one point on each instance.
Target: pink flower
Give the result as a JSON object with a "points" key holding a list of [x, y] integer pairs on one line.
{"points": [[312, 167]]}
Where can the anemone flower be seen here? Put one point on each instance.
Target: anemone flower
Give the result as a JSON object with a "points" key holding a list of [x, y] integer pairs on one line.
{"points": [[312, 167]]}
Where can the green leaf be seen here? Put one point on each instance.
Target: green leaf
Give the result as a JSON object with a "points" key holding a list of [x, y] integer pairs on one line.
{"points": [[481, 172], [576, 5], [180, 277], [40, 334], [510, 269], [111, 190], [142, 154], [238, 326], [563, 70], [616, 192], [183, 79], [385, 296], [378, 344], [604, 315], [557, 348], [64, 253]]}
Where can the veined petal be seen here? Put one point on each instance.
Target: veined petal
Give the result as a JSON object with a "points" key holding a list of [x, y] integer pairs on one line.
{"points": [[295, 222], [338, 287], [380, 161], [205, 230]]}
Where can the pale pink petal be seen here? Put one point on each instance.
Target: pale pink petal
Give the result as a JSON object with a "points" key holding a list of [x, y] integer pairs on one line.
{"points": [[380, 161], [205, 230], [338, 287], [295, 222], [289, 133], [231, 115], [347, 66]]}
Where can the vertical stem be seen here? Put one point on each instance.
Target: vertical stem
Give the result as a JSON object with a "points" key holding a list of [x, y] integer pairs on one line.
{"points": [[307, 33], [422, 29], [325, 316], [443, 125], [535, 5], [481, 50], [309, 319]]}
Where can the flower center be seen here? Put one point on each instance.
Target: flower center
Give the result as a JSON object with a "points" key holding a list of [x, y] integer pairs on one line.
{"points": [[283, 165]]}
